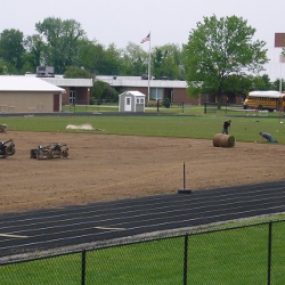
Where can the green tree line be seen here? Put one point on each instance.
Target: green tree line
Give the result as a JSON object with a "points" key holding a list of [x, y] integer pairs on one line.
{"points": [[221, 56], [64, 45]]}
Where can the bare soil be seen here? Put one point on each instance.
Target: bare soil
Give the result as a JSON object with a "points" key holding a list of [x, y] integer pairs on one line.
{"points": [[106, 167]]}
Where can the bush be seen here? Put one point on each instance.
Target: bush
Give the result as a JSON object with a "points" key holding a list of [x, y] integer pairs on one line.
{"points": [[103, 92], [166, 103], [153, 103]]}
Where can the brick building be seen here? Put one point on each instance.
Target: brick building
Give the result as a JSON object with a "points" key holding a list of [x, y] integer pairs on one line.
{"points": [[174, 90], [77, 90]]}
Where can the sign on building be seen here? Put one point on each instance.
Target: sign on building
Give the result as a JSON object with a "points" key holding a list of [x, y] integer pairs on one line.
{"points": [[279, 40]]}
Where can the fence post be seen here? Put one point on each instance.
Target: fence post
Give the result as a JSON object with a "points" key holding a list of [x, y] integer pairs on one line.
{"points": [[83, 267], [205, 108], [269, 253], [185, 266]]}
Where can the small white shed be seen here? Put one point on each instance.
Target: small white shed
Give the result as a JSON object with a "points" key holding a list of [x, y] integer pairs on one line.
{"points": [[131, 101]]}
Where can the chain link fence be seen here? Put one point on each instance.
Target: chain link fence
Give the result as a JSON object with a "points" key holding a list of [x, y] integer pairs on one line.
{"points": [[240, 255]]}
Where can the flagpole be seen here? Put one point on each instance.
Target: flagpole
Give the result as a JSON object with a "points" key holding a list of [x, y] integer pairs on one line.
{"points": [[148, 39], [280, 81], [149, 70]]}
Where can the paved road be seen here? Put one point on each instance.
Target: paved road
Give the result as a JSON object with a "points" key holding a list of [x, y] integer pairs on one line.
{"points": [[41, 230]]}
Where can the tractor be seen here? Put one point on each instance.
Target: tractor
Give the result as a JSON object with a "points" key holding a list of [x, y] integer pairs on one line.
{"points": [[7, 148], [50, 151]]}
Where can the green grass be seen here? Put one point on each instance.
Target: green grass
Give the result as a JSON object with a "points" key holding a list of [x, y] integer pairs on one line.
{"points": [[62, 270], [228, 257], [200, 127], [237, 256], [174, 109]]}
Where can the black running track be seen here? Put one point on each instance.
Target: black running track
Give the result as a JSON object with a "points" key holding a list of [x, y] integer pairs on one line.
{"points": [[70, 226]]}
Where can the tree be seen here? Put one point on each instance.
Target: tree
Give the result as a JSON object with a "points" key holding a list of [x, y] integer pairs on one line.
{"points": [[134, 60], [112, 61], [237, 85], [102, 91], [218, 49], [76, 72], [260, 83], [36, 50], [276, 85], [3, 67], [99, 60], [167, 62], [91, 56], [12, 49], [61, 38]]}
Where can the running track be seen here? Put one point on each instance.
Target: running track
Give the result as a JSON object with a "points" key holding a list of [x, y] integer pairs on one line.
{"points": [[49, 229]]}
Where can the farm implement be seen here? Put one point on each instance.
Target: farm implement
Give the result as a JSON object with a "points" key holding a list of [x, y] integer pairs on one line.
{"points": [[7, 148], [50, 151]]}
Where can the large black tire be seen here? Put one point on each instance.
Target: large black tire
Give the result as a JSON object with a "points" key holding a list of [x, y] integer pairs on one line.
{"points": [[10, 150], [34, 153]]}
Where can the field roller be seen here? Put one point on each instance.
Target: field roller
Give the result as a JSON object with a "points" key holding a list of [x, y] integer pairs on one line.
{"points": [[223, 140]]}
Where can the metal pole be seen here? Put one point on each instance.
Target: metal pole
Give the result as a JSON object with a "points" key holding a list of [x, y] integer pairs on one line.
{"points": [[184, 176], [269, 253], [185, 267], [83, 268], [280, 81], [184, 190], [205, 108], [149, 69]]}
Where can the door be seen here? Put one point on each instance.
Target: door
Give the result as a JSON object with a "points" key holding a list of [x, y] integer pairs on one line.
{"points": [[128, 104], [56, 102]]}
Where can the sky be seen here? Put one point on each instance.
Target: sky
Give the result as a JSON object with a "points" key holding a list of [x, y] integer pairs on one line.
{"points": [[169, 21]]}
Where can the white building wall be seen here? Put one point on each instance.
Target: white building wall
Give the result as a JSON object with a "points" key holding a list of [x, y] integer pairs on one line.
{"points": [[26, 102]]}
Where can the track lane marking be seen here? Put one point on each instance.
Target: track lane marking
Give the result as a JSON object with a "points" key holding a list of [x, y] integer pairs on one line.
{"points": [[225, 201], [12, 236], [136, 227], [110, 228], [131, 207]]}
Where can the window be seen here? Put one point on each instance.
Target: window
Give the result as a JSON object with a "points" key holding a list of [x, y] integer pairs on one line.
{"points": [[72, 97], [156, 93]]}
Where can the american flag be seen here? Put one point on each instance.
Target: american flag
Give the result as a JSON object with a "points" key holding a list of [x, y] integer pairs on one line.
{"points": [[146, 39]]}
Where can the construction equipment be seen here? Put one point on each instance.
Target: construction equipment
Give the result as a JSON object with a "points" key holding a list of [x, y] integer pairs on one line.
{"points": [[7, 148], [50, 151]]}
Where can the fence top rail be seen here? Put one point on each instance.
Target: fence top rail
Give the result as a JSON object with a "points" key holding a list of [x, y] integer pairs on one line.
{"points": [[140, 238]]}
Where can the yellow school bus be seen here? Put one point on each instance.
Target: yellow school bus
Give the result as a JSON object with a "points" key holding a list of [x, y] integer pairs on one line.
{"points": [[265, 100]]}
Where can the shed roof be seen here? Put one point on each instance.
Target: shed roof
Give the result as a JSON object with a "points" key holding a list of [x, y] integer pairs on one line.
{"points": [[134, 93], [26, 83]]}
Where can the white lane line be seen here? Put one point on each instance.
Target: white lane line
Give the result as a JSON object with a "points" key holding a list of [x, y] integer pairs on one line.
{"points": [[109, 229], [226, 197], [12, 236]]}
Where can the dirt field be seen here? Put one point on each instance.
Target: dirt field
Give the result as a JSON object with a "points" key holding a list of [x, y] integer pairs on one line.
{"points": [[105, 167]]}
